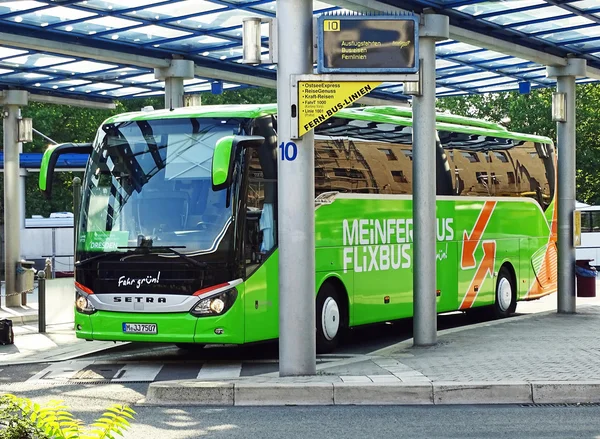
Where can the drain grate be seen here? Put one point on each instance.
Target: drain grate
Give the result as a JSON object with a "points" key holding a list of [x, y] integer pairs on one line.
{"points": [[567, 404]]}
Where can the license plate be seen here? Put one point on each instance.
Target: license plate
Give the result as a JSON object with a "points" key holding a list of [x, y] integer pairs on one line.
{"points": [[140, 328]]}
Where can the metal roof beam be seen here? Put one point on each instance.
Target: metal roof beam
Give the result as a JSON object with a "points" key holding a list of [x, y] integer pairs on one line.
{"points": [[74, 102], [128, 59]]}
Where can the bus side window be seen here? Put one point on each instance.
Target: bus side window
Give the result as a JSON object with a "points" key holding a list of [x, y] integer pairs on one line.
{"points": [[586, 222], [595, 221]]}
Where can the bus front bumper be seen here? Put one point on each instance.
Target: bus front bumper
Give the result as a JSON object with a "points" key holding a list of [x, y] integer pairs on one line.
{"points": [[170, 327]]}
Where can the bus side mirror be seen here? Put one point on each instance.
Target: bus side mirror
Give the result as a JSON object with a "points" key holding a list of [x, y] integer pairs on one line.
{"points": [[50, 158], [224, 158]]}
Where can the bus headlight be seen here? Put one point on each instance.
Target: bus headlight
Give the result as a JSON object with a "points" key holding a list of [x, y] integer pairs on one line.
{"points": [[215, 305], [83, 305]]}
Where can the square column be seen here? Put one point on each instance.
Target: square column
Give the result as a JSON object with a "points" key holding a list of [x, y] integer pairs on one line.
{"points": [[566, 143], [433, 28], [296, 198], [12, 100]]}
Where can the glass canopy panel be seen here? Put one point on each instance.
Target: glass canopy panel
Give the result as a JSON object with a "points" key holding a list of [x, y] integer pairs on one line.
{"points": [[491, 82], [267, 8], [467, 78], [141, 79], [218, 20], [85, 67], [510, 19], [586, 5], [200, 44], [6, 52], [590, 46], [553, 25], [15, 6], [453, 49], [34, 60], [562, 37], [102, 24], [25, 77], [505, 63], [228, 53], [116, 5], [63, 83], [52, 16], [126, 91], [441, 63], [96, 87], [147, 34], [150, 93], [455, 72], [117, 73], [497, 6], [174, 10], [5, 71], [478, 57]]}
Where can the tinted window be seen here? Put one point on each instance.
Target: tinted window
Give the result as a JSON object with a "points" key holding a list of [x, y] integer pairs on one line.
{"points": [[368, 157], [488, 166]]}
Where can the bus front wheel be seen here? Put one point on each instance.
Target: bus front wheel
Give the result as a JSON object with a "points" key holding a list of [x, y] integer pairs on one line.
{"points": [[331, 318], [506, 295]]}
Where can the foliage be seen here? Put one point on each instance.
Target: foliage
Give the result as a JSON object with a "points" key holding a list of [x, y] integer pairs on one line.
{"points": [[21, 418], [531, 113]]}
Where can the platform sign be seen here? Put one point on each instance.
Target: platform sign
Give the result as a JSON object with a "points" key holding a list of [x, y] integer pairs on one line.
{"points": [[367, 44], [319, 100], [576, 228]]}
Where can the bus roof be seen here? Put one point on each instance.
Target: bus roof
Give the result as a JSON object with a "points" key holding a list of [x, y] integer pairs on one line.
{"points": [[387, 114], [393, 110]]}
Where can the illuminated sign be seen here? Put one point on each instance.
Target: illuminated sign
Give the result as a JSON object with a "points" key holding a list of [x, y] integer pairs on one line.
{"points": [[361, 44]]}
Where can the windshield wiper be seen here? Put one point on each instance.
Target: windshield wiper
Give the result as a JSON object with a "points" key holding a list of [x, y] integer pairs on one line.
{"points": [[100, 256], [144, 249]]}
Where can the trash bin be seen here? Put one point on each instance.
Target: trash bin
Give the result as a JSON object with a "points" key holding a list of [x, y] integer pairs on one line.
{"points": [[586, 278], [25, 278]]}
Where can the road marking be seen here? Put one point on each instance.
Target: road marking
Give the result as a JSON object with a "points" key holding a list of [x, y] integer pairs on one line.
{"points": [[211, 371], [62, 371], [137, 372]]}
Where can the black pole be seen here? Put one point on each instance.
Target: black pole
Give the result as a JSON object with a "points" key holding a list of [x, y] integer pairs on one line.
{"points": [[41, 301]]}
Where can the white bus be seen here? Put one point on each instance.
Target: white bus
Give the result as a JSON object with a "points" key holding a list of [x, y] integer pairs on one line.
{"points": [[590, 234]]}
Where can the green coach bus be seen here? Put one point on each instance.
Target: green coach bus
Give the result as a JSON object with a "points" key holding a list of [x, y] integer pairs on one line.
{"points": [[177, 234]]}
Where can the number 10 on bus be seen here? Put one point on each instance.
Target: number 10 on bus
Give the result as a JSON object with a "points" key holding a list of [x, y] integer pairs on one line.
{"points": [[289, 151]]}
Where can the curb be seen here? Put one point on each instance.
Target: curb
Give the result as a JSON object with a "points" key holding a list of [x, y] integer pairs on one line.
{"points": [[278, 393], [21, 319]]}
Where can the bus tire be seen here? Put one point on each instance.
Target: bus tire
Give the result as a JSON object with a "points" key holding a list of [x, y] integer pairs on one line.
{"points": [[505, 303], [190, 346], [331, 318]]}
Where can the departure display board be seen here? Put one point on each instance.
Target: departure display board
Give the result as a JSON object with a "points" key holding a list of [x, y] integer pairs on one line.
{"points": [[367, 44]]}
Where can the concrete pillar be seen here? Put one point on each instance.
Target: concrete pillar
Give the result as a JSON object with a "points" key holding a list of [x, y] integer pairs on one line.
{"points": [[22, 192], [296, 196], [433, 28], [173, 76], [12, 100], [566, 143]]}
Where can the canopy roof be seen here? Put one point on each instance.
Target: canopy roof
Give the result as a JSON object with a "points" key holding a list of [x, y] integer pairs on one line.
{"points": [[34, 35]]}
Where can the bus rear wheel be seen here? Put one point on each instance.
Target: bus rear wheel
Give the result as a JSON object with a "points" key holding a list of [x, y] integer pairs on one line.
{"points": [[331, 318], [506, 294]]}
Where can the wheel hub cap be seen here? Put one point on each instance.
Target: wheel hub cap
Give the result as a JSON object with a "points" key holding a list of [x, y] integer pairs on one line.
{"points": [[330, 318], [504, 294]]}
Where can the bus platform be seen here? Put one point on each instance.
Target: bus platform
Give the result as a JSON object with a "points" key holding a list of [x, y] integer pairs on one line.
{"points": [[536, 357]]}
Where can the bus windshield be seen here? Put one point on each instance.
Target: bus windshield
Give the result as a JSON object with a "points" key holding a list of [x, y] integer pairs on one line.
{"points": [[152, 179]]}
